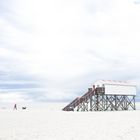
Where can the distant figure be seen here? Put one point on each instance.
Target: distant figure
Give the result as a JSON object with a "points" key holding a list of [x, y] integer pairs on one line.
{"points": [[24, 107], [15, 107]]}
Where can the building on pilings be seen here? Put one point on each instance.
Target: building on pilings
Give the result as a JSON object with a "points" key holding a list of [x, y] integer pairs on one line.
{"points": [[106, 95]]}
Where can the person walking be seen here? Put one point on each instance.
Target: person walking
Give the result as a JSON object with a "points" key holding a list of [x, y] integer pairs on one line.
{"points": [[15, 107]]}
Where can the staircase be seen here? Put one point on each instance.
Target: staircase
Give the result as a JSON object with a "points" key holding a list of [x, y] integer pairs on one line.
{"points": [[77, 101], [72, 105]]}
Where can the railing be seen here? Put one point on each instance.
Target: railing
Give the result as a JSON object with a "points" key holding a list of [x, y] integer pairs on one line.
{"points": [[77, 101]]}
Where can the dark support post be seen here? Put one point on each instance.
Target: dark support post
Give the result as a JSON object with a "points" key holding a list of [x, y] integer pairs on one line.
{"points": [[97, 102], [134, 103], [116, 103], [91, 103]]}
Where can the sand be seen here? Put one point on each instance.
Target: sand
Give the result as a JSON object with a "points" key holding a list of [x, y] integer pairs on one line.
{"points": [[48, 122]]}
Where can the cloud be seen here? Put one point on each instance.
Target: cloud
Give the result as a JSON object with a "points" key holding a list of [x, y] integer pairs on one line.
{"points": [[54, 50]]}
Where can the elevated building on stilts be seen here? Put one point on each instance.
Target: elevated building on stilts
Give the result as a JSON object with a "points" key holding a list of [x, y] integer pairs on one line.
{"points": [[106, 95]]}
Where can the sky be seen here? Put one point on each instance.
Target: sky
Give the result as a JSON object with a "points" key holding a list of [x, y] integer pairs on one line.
{"points": [[54, 50]]}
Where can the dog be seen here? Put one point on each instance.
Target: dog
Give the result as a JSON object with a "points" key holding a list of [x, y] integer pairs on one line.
{"points": [[24, 107]]}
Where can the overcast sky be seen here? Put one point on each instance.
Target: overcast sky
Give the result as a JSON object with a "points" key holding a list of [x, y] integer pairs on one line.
{"points": [[53, 50]]}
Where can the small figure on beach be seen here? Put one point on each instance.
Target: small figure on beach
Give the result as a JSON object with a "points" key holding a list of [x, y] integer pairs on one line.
{"points": [[15, 107], [24, 107]]}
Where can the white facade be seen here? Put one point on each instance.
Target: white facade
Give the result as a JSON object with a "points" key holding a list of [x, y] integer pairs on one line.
{"points": [[117, 87]]}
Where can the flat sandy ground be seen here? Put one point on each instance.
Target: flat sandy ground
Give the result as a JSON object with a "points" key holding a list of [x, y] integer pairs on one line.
{"points": [[50, 123]]}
